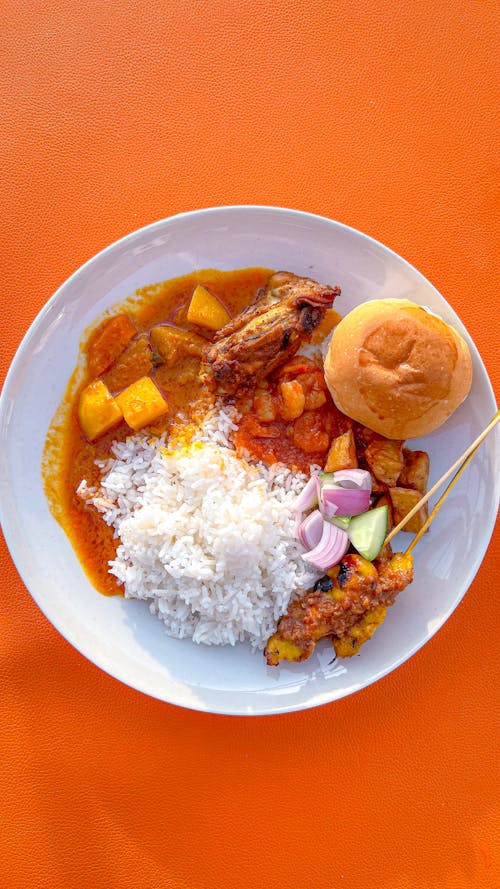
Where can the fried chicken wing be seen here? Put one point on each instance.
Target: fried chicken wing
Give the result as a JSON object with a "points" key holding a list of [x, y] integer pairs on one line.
{"points": [[267, 333], [335, 605]]}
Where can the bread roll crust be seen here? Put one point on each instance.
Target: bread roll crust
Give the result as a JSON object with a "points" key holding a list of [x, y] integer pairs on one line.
{"points": [[397, 368]]}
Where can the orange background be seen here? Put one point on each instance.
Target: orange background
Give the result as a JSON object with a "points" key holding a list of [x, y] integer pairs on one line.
{"points": [[380, 115]]}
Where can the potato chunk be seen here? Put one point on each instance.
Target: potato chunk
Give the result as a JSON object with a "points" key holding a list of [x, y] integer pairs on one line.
{"points": [[135, 362], [172, 343], [108, 342], [206, 310], [342, 453], [404, 499], [377, 487], [142, 403], [415, 472], [98, 411], [385, 460]]}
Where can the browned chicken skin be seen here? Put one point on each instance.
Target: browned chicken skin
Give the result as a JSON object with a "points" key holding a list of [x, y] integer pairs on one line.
{"points": [[267, 333], [359, 588]]}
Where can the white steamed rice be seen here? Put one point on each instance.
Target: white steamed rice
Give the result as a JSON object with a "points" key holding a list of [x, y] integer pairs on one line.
{"points": [[205, 538]]}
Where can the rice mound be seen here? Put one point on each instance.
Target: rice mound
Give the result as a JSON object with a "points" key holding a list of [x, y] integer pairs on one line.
{"points": [[205, 537]]}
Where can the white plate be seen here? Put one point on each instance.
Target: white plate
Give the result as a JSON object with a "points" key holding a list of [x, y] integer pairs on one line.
{"points": [[122, 637]]}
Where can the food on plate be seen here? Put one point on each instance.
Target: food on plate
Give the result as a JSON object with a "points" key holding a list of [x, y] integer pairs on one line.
{"points": [[398, 475], [205, 538], [337, 604], [415, 470], [397, 368], [367, 531], [402, 502], [342, 452], [349, 644], [206, 310], [170, 490], [141, 403], [198, 462], [108, 342], [338, 511], [171, 343], [268, 332], [98, 411]]}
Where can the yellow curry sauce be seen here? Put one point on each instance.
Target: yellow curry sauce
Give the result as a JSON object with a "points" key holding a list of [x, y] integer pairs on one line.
{"points": [[269, 429]]}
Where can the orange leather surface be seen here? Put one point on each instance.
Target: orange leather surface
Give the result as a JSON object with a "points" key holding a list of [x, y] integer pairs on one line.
{"points": [[382, 115]]}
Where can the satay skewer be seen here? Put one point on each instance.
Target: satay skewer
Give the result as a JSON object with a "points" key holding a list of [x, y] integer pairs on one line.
{"points": [[461, 464]]}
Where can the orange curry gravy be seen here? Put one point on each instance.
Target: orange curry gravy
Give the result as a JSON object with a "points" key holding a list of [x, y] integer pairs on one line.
{"points": [[263, 433]]}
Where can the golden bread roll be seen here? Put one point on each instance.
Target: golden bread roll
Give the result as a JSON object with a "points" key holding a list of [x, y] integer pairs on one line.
{"points": [[397, 368]]}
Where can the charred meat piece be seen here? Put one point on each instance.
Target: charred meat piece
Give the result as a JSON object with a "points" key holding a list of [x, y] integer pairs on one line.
{"points": [[385, 460], [393, 576], [267, 333], [342, 453], [349, 644], [415, 472], [332, 610], [403, 500]]}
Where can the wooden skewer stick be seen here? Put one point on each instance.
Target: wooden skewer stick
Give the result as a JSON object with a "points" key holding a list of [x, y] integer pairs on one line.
{"points": [[464, 459], [441, 500]]}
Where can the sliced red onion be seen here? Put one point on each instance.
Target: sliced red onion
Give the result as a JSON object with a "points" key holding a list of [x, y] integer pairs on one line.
{"points": [[353, 478], [311, 529], [333, 545], [308, 497], [344, 501]]}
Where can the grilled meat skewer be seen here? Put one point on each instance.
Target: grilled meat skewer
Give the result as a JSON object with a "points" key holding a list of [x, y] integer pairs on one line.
{"points": [[335, 605]]}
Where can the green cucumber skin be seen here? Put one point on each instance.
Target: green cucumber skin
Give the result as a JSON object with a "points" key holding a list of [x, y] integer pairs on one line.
{"points": [[368, 531], [325, 476], [341, 521], [326, 480]]}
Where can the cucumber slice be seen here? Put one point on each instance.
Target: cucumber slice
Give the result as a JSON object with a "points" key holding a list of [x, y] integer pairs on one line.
{"points": [[342, 521], [368, 531], [327, 478]]}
